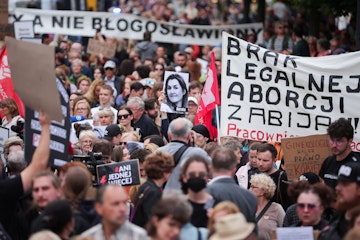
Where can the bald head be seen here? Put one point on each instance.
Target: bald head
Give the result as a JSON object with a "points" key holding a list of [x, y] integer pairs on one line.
{"points": [[180, 129]]}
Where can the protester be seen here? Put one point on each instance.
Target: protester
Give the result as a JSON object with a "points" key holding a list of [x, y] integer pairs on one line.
{"points": [[194, 176], [341, 135], [269, 215], [82, 107], [221, 209], [10, 111], [168, 216], [201, 135], [125, 118], [93, 93], [223, 186], [111, 204], [106, 100], [158, 167]]}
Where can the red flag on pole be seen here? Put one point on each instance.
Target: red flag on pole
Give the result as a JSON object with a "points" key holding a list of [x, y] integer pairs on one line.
{"points": [[6, 85], [209, 100]]}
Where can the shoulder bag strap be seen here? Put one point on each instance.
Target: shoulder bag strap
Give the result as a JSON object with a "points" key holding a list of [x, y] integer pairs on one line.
{"points": [[278, 190], [263, 211], [179, 153], [141, 196]]}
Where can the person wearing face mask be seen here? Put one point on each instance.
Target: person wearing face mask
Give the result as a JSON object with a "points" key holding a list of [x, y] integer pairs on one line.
{"points": [[193, 177]]}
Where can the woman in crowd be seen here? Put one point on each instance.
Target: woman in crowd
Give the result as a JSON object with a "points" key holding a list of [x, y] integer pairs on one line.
{"points": [[76, 67], [311, 204], [106, 116], [125, 118], [269, 215], [221, 209], [122, 98], [93, 93], [83, 84], [168, 217], [117, 154], [158, 167], [82, 107], [72, 98], [75, 185], [99, 73], [159, 72], [176, 94], [201, 135], [86, 140], [10, 111], [194, 176]]}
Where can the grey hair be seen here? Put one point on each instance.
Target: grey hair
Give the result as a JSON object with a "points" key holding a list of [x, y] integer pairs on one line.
{"points": [[78, 61], [180, 128], [139, 101], [16, 161]]}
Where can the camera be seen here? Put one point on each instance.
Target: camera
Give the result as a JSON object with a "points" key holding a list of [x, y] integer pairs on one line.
{"points": [[90, 161], [19, 128]]}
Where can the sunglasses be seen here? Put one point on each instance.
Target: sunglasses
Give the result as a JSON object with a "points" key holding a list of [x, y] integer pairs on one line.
{"points": [[108, 68], [309, 206], [125, 116], [123, 143]]}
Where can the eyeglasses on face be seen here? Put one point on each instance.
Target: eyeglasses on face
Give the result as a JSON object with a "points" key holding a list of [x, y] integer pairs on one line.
{"points": [[124, 116], [309, 206], [108, 68], [123, 143]]}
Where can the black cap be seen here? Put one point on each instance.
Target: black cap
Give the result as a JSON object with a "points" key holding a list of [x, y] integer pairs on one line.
{"points": [[112, 131], [350, 172]]}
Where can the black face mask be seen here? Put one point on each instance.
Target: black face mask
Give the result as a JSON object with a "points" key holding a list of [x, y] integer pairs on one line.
{"points": [[196, 184]]}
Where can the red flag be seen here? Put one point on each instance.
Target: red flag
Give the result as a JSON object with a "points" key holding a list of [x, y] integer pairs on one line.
{"points": [[209, 100], [6, 85]]}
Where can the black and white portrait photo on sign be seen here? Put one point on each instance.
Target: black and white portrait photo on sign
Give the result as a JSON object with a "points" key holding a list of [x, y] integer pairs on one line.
{"points": [[176, 87]]}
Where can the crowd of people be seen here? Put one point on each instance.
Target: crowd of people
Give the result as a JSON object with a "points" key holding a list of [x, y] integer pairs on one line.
{"points": [[192, 186]]}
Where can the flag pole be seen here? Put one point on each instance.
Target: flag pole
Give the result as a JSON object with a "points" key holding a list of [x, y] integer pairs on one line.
{"points": [[217, 123]]}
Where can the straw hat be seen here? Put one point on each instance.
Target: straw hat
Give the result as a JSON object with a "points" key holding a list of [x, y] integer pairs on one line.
{"points": [[232, 227]]}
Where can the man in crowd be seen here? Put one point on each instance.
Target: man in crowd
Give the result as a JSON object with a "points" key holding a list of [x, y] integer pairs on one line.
{"points": [[341, 134], [111, 79], [141, 120], [348, 198], [111, 204], [113, 134], [12, 189], [105, 99], [180, 136], [266, 156], [223, 187]]}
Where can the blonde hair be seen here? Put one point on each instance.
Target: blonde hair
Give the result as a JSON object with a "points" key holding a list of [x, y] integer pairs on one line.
{"points": [[227, 206], [151, 147], [133, 136], [265, 183]]}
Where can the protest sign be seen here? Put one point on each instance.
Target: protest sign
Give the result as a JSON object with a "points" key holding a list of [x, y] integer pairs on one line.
{"points": [[122, 173], [24, 29], [268, 96], [104, 48], [295, 233], [130, 26], [59, 131], [34, 80], [304, 154]]}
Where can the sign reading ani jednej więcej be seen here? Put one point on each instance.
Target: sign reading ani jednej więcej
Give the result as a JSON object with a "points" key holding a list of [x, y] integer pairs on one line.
{"points": [[267, 96]]}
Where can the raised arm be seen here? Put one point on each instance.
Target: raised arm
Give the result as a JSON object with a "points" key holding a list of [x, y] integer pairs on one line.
{"points": [[41, 155]]}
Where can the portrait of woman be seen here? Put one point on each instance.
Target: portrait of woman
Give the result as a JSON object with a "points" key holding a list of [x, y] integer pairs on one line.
{"points": [[10, 111], [176, 91]]}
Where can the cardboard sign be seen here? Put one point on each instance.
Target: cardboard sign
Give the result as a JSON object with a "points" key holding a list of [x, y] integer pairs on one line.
{"points": [[122, 173], [304, 154], [4, 15], [104, 48], [60, 132], [24, 29], [34, 80]]}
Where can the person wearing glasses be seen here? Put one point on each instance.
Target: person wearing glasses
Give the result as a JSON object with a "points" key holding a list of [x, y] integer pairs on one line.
{"points": [[341, 135], [269, 215], [82, 107], [311, 204], [124, 119]]}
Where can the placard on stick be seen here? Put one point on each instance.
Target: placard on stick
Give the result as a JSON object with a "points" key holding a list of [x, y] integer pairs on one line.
{"points": [[104, 48], [122, 173], [304, 154]]}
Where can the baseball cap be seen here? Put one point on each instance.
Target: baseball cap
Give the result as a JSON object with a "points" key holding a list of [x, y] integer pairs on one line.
{"points": [[311, 177], [110, 64], [350, 172], [193, 99], [111, 131]]}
